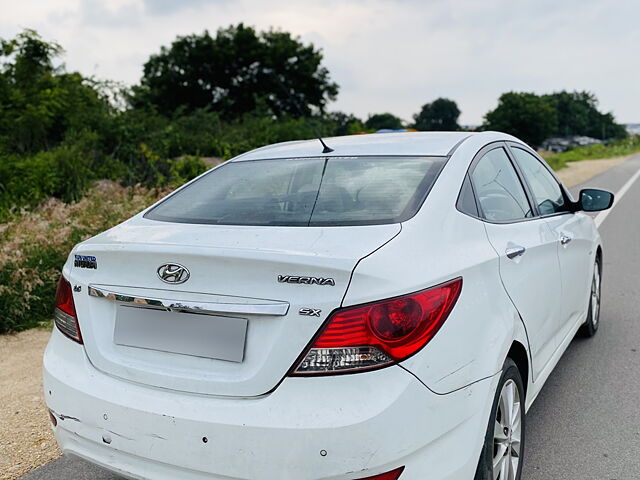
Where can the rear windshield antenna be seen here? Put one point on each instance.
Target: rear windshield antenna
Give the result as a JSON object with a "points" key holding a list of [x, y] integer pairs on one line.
{"points": [[294, 101]]}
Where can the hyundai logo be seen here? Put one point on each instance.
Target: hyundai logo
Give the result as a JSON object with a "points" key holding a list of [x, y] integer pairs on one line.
{"points": [[173, 273]]}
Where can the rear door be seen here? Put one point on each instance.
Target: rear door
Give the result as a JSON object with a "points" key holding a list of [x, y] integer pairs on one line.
{"points": [[571, 233], [529, 265]]}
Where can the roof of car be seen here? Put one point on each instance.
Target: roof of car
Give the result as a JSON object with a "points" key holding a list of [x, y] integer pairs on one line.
{"points": [[405, 143]]}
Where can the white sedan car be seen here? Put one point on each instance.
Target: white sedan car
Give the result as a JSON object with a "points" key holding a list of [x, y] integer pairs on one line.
{"points": [[388, 310]]}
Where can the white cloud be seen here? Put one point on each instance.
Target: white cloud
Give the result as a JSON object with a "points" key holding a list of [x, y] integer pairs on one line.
{"points": [[387, 55]]}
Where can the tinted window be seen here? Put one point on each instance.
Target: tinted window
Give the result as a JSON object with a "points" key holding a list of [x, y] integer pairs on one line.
{"points": [[310, 191], [466, 200], [498, 188], [544, 187]]}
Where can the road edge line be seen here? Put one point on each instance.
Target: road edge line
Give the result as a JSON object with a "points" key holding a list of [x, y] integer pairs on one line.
{"points": [[601, 217]]}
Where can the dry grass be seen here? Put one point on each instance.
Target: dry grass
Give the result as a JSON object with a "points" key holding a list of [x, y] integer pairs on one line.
{"points": [[34, 246]]}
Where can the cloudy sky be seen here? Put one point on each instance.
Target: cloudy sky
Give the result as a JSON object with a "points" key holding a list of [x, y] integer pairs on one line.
{"points": [[386, 55]]}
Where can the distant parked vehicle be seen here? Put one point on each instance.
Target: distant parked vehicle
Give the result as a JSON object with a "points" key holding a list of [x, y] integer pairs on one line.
{"points": [[388, 310], [562, 144]]}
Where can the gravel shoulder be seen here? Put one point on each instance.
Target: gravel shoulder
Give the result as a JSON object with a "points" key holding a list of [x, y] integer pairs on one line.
{"points": [[578, 172], [26, 440]]}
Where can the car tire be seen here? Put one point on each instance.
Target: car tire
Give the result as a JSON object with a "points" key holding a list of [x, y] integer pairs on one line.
{"points": [[503, 449], [591, 324]]}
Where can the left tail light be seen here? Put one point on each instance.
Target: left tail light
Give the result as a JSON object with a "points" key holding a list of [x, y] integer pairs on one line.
{"points": [[65, 315], [378, 334]]}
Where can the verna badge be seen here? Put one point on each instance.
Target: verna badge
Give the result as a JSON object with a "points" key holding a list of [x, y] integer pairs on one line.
{"points": [[306, 280], [173, 273]]}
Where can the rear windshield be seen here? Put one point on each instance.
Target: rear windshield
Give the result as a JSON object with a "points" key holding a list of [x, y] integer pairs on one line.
{"points": [[305, 192]]}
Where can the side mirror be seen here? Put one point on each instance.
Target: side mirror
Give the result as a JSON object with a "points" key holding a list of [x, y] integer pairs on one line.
{"points": [[594, 200]]}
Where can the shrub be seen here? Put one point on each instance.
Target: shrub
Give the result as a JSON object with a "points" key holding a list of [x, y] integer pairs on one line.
{"points": [[186, 168], [63, 172]]}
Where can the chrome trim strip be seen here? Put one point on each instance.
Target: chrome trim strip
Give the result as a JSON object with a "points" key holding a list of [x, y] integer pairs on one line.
{"points": [[276, 309]]}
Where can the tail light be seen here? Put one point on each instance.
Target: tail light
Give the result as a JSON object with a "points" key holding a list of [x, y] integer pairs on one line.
{"points": [[378, 334], [392, 475], [64, 314]]}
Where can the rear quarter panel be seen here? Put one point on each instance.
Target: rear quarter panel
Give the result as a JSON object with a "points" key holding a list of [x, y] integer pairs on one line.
{"points": [[435, 246]]}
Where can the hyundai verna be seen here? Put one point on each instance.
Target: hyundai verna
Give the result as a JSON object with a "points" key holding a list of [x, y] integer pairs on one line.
{"points": [[388, 310]]}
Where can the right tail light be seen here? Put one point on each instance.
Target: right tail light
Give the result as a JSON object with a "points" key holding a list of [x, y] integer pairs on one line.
{"points": [[378, 334], [392, 475]]}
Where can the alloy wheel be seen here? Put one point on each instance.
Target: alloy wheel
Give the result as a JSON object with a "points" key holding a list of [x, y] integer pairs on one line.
{"points": [[507, 433], [595, 296]]}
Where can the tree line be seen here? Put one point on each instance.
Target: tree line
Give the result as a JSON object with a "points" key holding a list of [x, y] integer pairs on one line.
{"points": [[207, 96]]}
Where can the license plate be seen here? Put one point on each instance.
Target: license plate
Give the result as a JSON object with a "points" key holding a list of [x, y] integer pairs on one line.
{"points": [[209, 336]]}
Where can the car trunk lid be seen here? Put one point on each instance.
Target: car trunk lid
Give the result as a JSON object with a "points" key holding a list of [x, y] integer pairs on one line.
{"points": [[234, 327]]}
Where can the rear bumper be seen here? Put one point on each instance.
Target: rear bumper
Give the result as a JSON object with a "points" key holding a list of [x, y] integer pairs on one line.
{"points": [[339, 427]]}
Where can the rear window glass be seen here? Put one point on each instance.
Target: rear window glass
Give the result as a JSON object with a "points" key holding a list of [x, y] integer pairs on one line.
{"points": [[305, 192]]}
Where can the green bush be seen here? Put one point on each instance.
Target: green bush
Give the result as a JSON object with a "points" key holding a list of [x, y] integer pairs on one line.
{"points": [[27, 181], [253, 131], [186, 168], [63, 172]]}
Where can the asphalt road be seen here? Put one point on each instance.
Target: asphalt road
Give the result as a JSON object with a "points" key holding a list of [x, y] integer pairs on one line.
{"points": [[586, 422]]}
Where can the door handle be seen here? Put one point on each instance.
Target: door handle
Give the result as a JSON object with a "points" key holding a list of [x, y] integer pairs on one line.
{"points": [[513, 252], [564, 239]]}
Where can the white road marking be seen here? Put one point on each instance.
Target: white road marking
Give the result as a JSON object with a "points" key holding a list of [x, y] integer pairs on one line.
{"points": [[618, 195]]}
